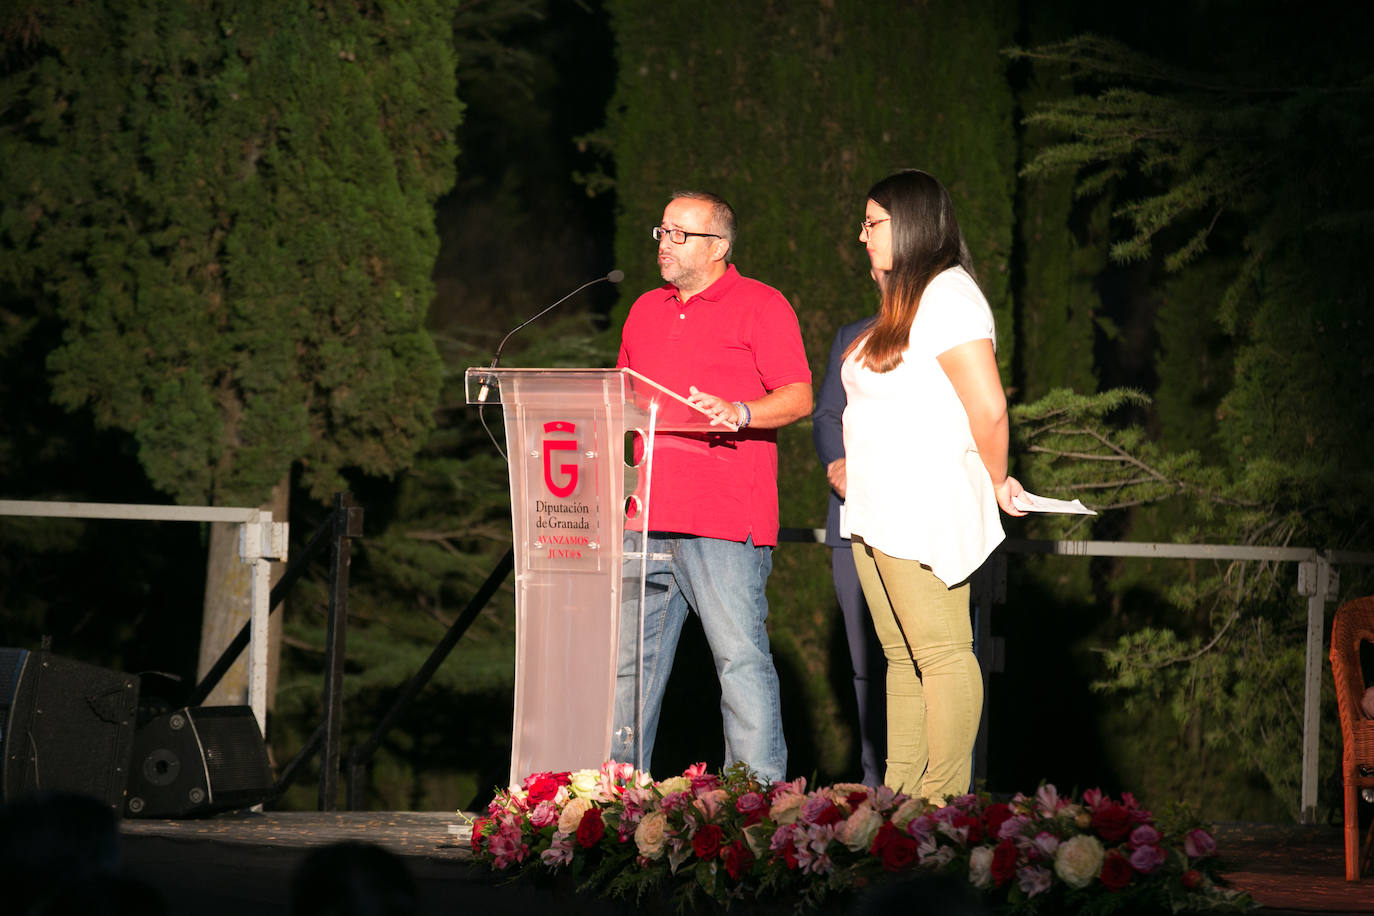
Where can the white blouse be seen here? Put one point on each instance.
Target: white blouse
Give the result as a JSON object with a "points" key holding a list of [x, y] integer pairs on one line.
{"points": [[916, 487]]}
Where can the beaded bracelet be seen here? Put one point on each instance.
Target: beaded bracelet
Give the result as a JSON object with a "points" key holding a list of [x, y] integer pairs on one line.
{"points": [[745, 415]]}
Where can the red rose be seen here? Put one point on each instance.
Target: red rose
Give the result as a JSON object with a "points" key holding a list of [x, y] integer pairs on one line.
{"points": [[1116, 872], [974, 825], [830, 814], [1112, 822], [884, 836], [706, 841], [543, 788], [477, 827], [738, 859], [590, 829], [855, 799], [1192, 879], [789, 855], [1004, 862], [995, 816], [899, 852]]}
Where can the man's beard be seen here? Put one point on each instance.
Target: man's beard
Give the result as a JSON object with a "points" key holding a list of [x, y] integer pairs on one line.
{"points": [[680, 275]]}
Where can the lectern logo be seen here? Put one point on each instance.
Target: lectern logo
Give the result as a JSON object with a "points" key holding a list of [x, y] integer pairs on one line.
{"points": [[568, 471]]}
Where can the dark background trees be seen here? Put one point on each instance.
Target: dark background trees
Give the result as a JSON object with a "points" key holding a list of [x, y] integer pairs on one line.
{"points": [[1232, 121]]}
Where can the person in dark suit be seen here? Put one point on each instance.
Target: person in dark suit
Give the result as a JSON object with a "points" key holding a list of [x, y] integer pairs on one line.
{"points": [[865, 655]]}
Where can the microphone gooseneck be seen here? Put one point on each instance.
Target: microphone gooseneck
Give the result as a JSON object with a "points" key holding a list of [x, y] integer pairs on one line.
{"points": [[614, 276]]}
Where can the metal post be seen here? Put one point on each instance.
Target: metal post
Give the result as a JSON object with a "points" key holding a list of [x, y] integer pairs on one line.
{"points": [[1316, 580], [260, 541], [346, 523]]}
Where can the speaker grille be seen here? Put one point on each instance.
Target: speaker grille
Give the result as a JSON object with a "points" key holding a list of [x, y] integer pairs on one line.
{"points": [[235, 754], [197, 761], [68, 726]]}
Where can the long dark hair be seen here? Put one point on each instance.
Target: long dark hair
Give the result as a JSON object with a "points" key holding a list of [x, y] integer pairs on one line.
{"points": [[926, 240]]}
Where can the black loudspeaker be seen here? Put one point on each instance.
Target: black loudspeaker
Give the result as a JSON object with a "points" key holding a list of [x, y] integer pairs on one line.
{"points": [[64, 726], [196, 761]]}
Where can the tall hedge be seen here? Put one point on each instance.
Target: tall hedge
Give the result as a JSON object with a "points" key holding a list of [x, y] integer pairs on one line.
{"points": [[231, 207], [792, 111]]}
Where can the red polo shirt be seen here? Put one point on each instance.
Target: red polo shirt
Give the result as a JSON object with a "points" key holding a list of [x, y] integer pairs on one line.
{"points": [[738, 339]]}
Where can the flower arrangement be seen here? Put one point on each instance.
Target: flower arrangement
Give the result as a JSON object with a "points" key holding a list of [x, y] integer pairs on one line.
{"points": [[731, 839]]}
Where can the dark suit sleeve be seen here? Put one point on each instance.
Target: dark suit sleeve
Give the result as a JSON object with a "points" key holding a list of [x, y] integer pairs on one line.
{"points": [[827, 430]]}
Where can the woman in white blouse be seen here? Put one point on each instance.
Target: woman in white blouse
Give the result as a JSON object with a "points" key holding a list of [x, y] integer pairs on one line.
{"points": [[925, 440]]}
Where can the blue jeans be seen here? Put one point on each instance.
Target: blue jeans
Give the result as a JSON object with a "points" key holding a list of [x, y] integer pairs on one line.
{"points": [[723, 582]]}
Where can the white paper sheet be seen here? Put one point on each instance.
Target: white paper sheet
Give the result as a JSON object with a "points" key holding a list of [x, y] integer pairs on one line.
{"points": [[1029, 502]]}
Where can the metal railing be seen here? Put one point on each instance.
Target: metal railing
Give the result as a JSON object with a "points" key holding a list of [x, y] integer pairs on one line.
{"points": [[1318, 581], [261, 540]]}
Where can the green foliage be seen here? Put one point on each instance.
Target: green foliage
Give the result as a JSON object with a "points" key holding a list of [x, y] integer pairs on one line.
{"points": [[845, 94], [1234, 144], [231, 208], [1230, 660], [1233, 172]]}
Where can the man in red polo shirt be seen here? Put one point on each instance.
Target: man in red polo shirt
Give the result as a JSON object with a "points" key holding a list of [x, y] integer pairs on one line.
{"points": [[733, 347]]}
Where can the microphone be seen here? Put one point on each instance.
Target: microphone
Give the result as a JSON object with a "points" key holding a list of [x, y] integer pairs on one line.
{"points": [[614, 276]]}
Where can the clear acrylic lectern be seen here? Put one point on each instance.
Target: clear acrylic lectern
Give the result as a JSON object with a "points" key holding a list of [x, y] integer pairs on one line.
{"points": [[569, 432]]}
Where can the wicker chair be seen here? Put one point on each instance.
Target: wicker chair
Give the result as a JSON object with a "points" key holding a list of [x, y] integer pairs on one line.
{"points": [[1353, 624]]}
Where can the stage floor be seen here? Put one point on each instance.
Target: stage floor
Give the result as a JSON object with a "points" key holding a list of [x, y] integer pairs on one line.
{"points": [[242, 862]]}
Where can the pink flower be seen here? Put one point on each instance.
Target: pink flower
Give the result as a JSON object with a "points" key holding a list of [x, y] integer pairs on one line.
{"points": [[1047, 800], [709, 802], [811, 845], [1129, 801], [753, 806], [1146, 859], [921, 828], [1045, 845], [1013, 826], [618, 772], [946, 814], [673, 801], [1144, 835], [544, 814], [560, 851], [1033, 880], [782, 838], [507, 846], [701, 780], [820, 810], [1092, 798], [779, 789], [1199, 844]]}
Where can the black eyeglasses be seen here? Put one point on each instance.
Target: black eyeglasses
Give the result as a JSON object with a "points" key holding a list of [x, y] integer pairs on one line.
{"points": [[680, 236]]}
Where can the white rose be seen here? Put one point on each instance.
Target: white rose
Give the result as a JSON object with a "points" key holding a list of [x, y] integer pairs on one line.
{"points": [[651, 834], [907, 812], [586, 784], [674, 784], [786, 809], [571, 815], [1079, 860], [980, 867], [859, 829]]}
